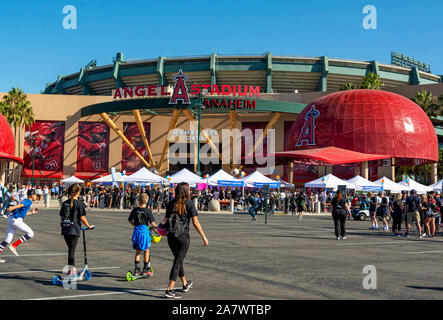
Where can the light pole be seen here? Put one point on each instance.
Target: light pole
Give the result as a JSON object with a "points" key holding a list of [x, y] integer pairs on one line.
{"points": [[33, 157], [199, 107]]}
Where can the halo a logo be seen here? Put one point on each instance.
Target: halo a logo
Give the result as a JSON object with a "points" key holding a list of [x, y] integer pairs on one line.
{"points": [[180, 90], [308, 131]]}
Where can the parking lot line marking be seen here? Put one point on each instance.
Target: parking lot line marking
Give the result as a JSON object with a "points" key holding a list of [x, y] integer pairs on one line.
{"points": [[424, 252], [99, 294], [58, 270]]}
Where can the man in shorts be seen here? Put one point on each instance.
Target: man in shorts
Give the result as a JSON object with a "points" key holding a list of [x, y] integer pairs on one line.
{"points": [[413, 214], [373, 211]]}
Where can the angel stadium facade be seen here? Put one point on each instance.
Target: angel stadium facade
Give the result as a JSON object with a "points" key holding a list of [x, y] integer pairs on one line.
{"points": [[124, 114]]}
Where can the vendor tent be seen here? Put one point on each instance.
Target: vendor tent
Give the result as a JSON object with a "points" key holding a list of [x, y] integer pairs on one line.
{"points": [[185, 175], [414, 185], [362, 184], [284, 184], [222, 178], [258, 180], [329, 182], [108, 179], [389, 185], [437, 186], [143, 176], [72, 180]]}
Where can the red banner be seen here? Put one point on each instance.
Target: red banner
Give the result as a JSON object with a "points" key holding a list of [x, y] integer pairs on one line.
{"points": [[93, 147], [44, 142], [130, 162]]}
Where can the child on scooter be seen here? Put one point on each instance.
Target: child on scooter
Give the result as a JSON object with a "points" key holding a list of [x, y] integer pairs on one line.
{"points": [[140, 218]]}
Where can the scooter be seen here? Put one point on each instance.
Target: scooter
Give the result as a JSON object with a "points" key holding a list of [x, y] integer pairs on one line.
{"points": [[130, 276], [85, 274]]}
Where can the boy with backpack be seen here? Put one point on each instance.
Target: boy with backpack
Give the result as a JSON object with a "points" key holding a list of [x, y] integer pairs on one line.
{"points": [[140, 218]]}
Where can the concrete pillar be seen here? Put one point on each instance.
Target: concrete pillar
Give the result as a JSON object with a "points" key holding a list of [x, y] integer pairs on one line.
{"points": [[434, 173], [196, 203], [365, 169], [231, 205], [291, 172], [392, 169], [48, 201]]}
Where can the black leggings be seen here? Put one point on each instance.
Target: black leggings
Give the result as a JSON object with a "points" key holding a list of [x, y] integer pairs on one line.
{"points": [[71, 241], [396, 222], [179, 247], [339, 217]]}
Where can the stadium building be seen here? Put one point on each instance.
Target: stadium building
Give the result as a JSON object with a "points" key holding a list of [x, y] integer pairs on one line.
{"points": [[126, 114]]}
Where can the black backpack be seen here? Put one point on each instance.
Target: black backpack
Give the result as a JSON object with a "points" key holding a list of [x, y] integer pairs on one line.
{"points": [[175, 225], [412, 205]]}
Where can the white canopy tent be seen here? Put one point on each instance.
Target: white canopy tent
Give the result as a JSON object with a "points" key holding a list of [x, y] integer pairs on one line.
{"points": [[414, 185], [184, 175], [258, 180], [144, 176], [72, 180], [108, 179], [222, 178], [362, 184], [329, 182], [437, 186], [389, 185], [284, 184]]}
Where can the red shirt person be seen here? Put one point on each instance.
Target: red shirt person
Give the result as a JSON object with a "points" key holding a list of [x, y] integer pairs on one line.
{"points": [[92, 149]]}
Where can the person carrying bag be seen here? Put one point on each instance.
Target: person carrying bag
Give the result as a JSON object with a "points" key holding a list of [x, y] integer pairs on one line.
{"points": [[179, 213], [72, 214]]}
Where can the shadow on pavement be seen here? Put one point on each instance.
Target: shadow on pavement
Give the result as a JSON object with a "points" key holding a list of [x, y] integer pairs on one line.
{"points": [[425, 288], [83, 286]]}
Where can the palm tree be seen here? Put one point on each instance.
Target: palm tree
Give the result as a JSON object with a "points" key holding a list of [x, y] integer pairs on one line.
{"points": [[17, 110], [371, 81], [428, 103]]}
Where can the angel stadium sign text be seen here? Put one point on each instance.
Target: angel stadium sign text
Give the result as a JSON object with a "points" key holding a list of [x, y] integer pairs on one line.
{"points": [[214, 96]]}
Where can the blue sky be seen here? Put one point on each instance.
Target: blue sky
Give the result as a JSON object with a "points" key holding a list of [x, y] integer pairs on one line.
{"points": [[35, 48]]}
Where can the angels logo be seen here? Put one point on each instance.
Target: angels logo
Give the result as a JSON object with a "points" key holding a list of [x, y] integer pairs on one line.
{"points": [[308, 132], [180, 90]]}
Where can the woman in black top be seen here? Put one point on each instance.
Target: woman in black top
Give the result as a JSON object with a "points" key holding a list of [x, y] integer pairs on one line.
{"points": [[339, 214], [397, 210], [72, 214], [185, 209]]}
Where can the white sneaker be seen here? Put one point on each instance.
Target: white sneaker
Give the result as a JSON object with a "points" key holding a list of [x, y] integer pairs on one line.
{"points": [[2, 261], [13, 250], [344, 238], [338, 238]]}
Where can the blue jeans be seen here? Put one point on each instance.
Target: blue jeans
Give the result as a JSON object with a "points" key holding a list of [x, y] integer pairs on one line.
{"points": [[252, 210]]}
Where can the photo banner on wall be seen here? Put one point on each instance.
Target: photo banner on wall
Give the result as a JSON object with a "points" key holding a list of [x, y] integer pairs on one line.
{"points": [[93, 147], [44, 142], [130, 162]]}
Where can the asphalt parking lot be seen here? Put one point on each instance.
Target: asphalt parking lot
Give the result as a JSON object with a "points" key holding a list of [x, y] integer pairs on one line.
{"points": [[283, 259]]}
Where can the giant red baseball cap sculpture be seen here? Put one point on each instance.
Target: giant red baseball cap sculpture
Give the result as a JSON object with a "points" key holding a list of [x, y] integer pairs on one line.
{"points": [[361, 125], [7, 143]]}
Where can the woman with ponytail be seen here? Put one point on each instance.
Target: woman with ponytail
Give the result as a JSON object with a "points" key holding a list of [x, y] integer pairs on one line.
{"points": [[182, 208], [72, 214]]}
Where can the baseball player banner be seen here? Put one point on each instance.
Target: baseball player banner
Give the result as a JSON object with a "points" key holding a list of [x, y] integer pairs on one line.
{"points": [[44, 141], [93, 147], [130, 162]]}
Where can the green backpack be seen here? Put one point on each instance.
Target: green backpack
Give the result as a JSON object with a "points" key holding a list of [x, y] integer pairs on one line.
{"points": [[175, 225]]}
